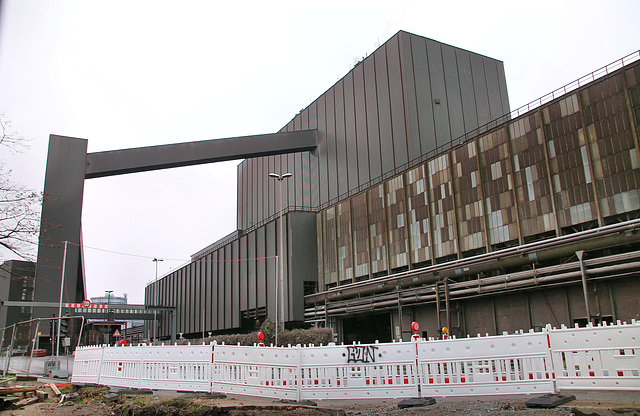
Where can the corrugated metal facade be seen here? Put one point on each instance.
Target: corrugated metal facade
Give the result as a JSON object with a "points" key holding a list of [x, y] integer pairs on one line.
{"points": [[534, 177], [568, 166], [409, 97]]}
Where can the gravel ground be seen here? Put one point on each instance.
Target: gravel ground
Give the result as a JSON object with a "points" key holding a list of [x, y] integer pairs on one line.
{"points": [[180, 404]]}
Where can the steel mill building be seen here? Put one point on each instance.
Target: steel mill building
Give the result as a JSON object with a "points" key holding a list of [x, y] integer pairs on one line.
{"points": [[427, 200], [421, 196]]}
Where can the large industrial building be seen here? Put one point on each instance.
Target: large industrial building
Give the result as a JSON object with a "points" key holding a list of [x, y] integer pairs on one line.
{"points": [[426, 199]]}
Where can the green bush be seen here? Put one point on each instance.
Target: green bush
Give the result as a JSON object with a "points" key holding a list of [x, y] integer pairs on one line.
{"points": [[315, 336]]}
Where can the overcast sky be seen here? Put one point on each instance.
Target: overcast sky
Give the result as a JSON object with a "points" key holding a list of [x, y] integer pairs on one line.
{"points": [[138, 73]]}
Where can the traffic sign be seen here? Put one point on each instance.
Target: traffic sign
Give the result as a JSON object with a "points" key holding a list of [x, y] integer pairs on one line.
{"points": [[117, 333], [86, 303]]}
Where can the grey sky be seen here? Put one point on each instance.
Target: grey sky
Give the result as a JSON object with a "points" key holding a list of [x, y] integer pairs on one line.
{"points": [[137, 73]]}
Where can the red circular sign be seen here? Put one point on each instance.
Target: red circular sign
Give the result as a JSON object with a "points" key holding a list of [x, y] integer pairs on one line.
{"points": [[86, 303], [415, 326], [123, 342], [261, 336]]}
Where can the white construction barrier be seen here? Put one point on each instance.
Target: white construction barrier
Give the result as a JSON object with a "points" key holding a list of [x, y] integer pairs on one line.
{"points": [[257, 371], [604, 358], [153, 367], [507, 364], [87, 369], [358, 371]]}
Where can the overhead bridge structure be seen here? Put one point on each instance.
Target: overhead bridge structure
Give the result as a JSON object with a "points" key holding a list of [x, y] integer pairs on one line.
{"points": [[69, 164]]}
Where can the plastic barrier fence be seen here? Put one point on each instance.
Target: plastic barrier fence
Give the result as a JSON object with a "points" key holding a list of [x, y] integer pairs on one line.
{"points": [[257, 371], [507, 364], [604, 357]]}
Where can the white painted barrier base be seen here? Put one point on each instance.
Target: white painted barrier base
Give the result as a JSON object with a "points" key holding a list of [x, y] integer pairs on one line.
{"points": [[606, 357]]}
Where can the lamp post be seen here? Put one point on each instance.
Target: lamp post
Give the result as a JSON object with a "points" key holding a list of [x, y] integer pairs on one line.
{"points": [[155, 298], [280, 267]]}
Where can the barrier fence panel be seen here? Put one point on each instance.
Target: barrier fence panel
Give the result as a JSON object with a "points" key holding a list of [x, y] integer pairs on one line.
{"points": [[604, 357], [359, 371], [87, 365], [508, 364], [257, 371], [181, 367]]}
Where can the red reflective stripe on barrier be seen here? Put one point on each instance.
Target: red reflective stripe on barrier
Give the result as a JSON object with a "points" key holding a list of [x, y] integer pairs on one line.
{"points": [[463, 380], [619, 373], [430, 381]]}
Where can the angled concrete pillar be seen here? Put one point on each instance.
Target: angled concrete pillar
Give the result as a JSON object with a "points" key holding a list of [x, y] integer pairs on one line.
{"points": [[61, 213]]}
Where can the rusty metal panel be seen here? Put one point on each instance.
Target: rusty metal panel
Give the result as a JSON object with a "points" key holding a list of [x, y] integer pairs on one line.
{"points": [[409, 89], [330, 138], [360, 227], [251, 273], [454, 96], [373, 133], [384, 109], [341, 171], [396, 100], [570, 171], [343, 232], [396, 223], [424, 96], [321, 151], [361, 137], [320, 249], [466, 176], [418, 215], [442, 207], [377, 229], [330, 263], [512, 313], [530, 175], [497, 185], [351, 152], [613, 149]]}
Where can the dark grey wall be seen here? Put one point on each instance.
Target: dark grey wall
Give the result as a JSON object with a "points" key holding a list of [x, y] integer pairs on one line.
{"points": [[409, 97], [238, 279]]}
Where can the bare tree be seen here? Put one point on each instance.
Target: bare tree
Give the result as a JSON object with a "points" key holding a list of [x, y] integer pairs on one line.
{"points": [[19, 206]]}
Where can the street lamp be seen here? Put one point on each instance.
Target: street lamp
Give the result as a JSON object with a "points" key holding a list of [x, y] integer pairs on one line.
{"points": [[280, 267], [155, 298]]}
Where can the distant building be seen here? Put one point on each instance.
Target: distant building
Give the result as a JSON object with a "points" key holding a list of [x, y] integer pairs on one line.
{"points": [[16, 284], [109, 299]]}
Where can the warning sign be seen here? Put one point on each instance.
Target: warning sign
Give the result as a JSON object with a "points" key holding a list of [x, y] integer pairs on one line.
{"points": [[117, 333]]}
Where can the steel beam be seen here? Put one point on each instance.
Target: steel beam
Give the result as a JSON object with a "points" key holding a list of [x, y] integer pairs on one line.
{"points": [[143, 159]]}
